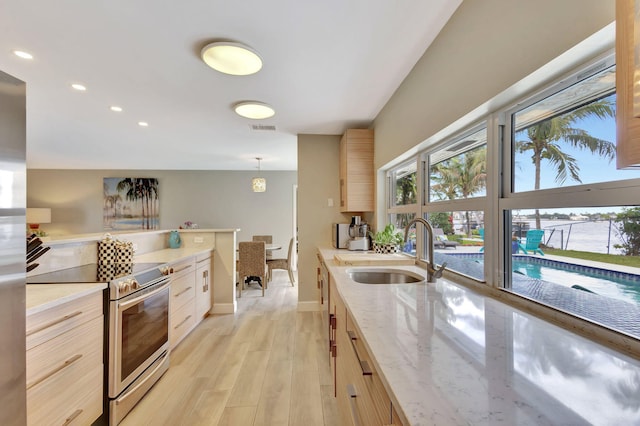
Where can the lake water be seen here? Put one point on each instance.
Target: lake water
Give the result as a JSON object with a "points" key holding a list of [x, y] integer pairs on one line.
{"points": [[596, 237]]}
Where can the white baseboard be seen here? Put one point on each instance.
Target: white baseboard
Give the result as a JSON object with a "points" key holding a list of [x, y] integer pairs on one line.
{"points": [[309, 306], [224, 308]]}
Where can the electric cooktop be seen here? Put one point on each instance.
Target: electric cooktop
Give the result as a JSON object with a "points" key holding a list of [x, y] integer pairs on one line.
{"points": [[94, 273]]}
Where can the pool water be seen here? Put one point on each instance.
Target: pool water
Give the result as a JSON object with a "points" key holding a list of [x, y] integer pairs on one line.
{"points": [[612, 284]]}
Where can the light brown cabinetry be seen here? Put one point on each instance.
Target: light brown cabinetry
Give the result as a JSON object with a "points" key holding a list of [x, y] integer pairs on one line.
{"points": [[628, 125], [65, 371], [361, 396], [182, 303], [356, 171], [203, 289]]}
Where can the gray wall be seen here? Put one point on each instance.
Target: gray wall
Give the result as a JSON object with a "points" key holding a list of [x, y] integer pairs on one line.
{"points": [[486, 47], [212, 199]]}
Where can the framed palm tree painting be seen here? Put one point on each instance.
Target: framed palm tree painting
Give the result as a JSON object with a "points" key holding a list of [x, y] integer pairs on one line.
{"points": [[130, 204]]}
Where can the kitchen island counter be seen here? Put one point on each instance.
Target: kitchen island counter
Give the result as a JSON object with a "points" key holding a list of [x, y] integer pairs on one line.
{"points": [[448, 355]]}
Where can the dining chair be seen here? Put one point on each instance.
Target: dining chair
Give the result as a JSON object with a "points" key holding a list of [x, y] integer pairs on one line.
{"points": [[268, 239], [283, 264], [252, 262]]}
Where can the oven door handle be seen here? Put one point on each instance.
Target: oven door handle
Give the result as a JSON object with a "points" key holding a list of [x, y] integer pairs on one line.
{"points": [[123, 305]]}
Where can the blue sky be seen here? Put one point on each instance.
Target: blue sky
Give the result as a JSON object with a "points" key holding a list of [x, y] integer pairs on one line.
{"points": [[592, 167]]}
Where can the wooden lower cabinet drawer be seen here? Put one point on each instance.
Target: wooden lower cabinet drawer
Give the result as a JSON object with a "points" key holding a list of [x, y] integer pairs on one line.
{"points": [[181, 323], [47, 324], [73, 398], [82, 345], [182, 290]]}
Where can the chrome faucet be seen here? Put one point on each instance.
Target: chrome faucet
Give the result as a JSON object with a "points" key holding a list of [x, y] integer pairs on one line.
{"points": [[432, 272]]}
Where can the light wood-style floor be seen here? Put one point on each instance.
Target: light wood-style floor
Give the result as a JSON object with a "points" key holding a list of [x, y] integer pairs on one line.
{"points": [[266, 365]]}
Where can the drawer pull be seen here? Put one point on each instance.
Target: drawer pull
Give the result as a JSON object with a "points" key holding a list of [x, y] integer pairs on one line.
{"points": [[183, 291], [54, 322], [182, 322], [351, 392], [72, 417], [332, 321], [66, 364], [364, 365]]}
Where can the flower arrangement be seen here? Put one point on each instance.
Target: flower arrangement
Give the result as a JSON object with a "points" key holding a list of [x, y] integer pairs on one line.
{"points": [[189, 225]]}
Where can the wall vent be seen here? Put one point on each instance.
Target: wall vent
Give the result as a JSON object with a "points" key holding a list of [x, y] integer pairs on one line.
{"points": [[262, 127]]}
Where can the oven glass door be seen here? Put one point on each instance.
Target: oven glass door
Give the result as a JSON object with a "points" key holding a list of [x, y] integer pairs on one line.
{"points": [[140, 333]]}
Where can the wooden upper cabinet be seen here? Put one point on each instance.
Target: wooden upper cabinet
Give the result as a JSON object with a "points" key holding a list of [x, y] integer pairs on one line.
{"points": [[628, 125], [356, 171]]}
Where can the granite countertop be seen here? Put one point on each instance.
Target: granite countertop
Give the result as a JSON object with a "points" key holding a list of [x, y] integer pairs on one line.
{"points": [[449, 356], [40, 297]]}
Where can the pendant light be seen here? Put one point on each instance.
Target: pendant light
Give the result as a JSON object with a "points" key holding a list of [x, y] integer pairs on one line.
{"points": [[259, 184]]}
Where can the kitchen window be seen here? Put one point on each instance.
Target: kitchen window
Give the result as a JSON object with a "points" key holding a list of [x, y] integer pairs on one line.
{"points": [[570, 203]]}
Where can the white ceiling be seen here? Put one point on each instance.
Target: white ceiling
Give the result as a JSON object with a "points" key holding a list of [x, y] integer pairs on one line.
{"points": [[328, 65]]}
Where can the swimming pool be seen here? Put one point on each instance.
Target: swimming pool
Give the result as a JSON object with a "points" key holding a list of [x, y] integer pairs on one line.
{"points": [[613, 284]]}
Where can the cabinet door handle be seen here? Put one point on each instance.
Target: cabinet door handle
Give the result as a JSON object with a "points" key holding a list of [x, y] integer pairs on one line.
{"points": [[72, 417], [351, 392], [334, 350], [182, 292], [54, 322], [61, 367], [182, 322], [364, 365]]}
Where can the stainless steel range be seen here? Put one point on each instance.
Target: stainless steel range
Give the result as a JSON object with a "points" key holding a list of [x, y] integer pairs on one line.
{"points": [[138, 338], [137, 324]]}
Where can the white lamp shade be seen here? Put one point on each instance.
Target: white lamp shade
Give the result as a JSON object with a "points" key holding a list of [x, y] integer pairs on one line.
{"points": [[259, 184], [38, 215]]}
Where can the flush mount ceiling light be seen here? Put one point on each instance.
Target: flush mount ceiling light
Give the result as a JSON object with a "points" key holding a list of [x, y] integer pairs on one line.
{"points": [[79, 87], [259, 184], [231, 58], [22, 54], [254, 110]]}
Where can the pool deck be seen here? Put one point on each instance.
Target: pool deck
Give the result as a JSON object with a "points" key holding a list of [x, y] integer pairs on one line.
{"points": [[612, 313]]}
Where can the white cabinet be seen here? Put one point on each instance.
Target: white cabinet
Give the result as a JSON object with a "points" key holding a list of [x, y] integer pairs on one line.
{"points": [[203, 281], [182, 303], [65, 370]]}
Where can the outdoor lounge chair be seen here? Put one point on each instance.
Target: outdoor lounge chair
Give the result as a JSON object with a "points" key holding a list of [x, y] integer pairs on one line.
{"points": [[440, 240], [532, 243]]}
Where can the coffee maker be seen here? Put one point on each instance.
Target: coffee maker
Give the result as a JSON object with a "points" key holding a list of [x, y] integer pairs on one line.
{"points": [[358, 232]]}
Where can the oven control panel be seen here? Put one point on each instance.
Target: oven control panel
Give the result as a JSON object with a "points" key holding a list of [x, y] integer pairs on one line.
{"points": [[126, 286]]}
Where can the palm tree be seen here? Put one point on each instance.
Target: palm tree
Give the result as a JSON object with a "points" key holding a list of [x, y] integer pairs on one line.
{"points": [[461, 177], [145, 190], [545, 140]]}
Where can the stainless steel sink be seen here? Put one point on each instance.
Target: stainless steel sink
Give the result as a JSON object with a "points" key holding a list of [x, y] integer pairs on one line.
{"points": [[384, 276]]}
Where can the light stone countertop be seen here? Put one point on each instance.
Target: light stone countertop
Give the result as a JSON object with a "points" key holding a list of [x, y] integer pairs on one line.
{"points": [[451, 356], [40, 297], [170, 255], [44, 296]]}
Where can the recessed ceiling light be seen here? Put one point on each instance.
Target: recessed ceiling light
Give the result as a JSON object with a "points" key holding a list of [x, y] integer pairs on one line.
{"points": [[115, 108], [143, 124], [254, 110], [79, 87], [22, 54], [231, 58]]}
